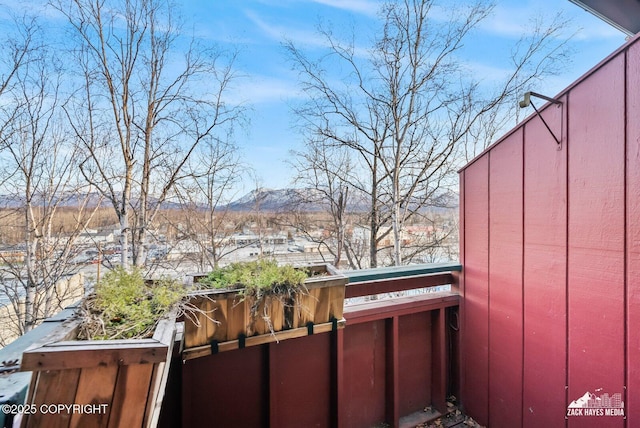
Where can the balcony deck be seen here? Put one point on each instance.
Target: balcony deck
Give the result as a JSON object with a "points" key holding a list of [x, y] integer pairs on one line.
{"points": [[396, 357]]}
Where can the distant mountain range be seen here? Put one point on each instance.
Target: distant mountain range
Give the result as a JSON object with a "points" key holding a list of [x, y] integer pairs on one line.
{"points": [[265, 200], [274, 200], [70, 200], [262, 199], [310, 200]]}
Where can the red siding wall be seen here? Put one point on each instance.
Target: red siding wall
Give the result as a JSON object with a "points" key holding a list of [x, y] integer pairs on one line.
{"points": [[505, 271], [551, 254], [596, 236], [544, 273], [475, 328], [633, 233]]}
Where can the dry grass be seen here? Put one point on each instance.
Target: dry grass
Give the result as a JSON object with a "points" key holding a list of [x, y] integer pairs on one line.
{"points": [[172, 222], [12, 222]]}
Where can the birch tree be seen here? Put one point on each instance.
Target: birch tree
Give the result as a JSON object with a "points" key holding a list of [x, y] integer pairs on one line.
{"points": [[38, 178], [214, 176], [325, 174], [148, 97], [16, 47], [405, 108]]}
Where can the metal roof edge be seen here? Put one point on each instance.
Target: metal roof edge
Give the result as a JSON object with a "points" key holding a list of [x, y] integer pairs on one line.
{"points": [[602, 17]]}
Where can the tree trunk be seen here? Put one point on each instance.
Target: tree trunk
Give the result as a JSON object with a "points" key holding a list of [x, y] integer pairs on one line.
{"points": [[373, 239], [32, 286], [124, 240], [397, 235]]}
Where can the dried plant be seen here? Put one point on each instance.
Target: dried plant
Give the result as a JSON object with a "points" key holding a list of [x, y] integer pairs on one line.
{"points": [[124, 306]]}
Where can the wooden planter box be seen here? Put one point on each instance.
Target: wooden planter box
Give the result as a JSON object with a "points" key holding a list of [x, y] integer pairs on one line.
{"points": [[319, 305], [114, 383]]}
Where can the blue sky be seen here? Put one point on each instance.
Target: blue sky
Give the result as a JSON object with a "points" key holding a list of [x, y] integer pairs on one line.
{"points": [[268, 86], [259, 26]]}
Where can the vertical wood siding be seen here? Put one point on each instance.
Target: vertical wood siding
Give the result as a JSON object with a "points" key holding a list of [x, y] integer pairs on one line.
{"points": [[596, 236], [395, 358], [544, 273], [551, 255], [505, 279], [475, 328], [633, 234]]}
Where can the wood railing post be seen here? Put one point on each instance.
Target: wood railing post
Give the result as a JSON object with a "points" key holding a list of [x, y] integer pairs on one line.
{"points": [[273, 382], [338, 399], [439, 359], [392, 373]]}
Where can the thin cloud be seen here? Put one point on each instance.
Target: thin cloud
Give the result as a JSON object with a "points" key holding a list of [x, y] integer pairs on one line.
{"points": [[365, 7], [599, 31], [301, 37], [263, 89], [280, 33], [515, 22], [30, 8], [486, 72]]}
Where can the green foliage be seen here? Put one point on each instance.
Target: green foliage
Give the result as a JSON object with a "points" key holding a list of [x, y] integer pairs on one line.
{"points": [[123, 306], [256, 276]]}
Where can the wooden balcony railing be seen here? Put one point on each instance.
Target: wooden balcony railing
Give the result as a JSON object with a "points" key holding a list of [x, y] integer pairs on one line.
{"points": [[396, 357]]}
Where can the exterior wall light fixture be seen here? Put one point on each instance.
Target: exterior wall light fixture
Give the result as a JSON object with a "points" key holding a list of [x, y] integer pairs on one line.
{"points": [[526, 102]]}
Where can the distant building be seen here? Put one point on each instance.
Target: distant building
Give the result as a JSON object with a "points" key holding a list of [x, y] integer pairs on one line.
{"points": [[90, 236], [65, 292], [12, 256], [246, 239]]}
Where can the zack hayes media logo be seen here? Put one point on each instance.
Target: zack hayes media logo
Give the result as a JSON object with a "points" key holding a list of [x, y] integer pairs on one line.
{"points": [[592, 405]]}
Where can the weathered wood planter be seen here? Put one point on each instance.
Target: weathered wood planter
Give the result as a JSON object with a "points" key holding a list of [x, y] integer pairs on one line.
{"points": [[112, 383], [317, 307]]}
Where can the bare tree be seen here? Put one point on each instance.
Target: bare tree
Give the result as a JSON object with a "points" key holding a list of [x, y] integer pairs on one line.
{"points": [[17, 44], [214, 176], [405, 109], [39, 178], [142, 109], [324, 173]]}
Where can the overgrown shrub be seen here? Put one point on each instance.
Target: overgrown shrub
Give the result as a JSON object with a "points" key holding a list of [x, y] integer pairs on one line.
{"points": [[262, 276], [123, 306]]}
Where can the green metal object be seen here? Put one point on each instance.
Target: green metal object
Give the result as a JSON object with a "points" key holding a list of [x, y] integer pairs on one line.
{"points": [[375, 274]]}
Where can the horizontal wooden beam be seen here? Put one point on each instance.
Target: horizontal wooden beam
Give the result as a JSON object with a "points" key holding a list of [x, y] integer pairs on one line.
{"points": [[72, 355], [390, 285], [59, 351], [387, 308], [203, 351]]}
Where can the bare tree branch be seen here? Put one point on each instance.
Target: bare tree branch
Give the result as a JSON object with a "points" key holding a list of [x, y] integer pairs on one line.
{"points": [[407, 110], [157, 107]]}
